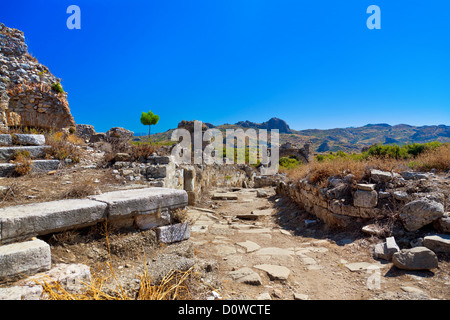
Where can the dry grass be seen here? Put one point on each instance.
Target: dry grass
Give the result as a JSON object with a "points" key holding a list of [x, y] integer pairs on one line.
{"points": [[62, 147], [319, 171], [438, 159], [142, 151], [23, 164], [175, 285], [82, 188]]}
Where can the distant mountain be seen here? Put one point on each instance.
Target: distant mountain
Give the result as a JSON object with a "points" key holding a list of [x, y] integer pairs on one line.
{"points": [[273, 123], [351, 139], [355, 138]]}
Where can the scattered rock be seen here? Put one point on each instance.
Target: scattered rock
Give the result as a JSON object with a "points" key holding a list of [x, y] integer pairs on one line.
{"points": [[419, 213], [274, 272], [437, 243], [386, 249], [224, 196], [366, 187], [300, 296], [246, 275], [380, 176], [249, 246], [418, 258]]}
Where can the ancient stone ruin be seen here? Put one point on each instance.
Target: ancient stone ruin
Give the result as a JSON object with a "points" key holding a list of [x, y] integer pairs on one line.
{"points": [[30, 96]]}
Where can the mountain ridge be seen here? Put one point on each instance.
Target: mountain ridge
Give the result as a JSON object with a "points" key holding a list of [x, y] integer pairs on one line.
{"points": [[349, 139]]}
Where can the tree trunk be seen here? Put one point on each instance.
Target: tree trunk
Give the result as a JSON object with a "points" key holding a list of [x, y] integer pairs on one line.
{"points": [[149, 140]]}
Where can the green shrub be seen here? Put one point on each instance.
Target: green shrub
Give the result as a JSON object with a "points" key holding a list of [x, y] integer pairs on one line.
{"points": [[57, 87], [288, 163]]}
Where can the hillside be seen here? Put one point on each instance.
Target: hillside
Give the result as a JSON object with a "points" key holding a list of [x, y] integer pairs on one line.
{"points": [[351, 139]]}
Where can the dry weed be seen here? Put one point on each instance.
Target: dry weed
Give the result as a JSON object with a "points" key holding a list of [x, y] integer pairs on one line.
{"points": [[319, 171], [23, 164], [82, 188]]}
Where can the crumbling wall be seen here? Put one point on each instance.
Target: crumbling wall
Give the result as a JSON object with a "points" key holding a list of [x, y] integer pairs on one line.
{"points": [[414, 199], [29, 93]]}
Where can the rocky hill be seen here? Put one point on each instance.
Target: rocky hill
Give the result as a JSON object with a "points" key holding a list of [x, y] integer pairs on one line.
{"points": [[351, 139]]}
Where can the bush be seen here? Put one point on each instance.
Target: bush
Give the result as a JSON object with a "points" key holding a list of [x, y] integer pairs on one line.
{"points": [[57, 87], [142, 151], [62, 148], [23, 163], [288, 163]]}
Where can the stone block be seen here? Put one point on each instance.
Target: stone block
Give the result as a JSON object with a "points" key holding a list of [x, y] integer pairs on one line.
{"points": [[134, 202], [28, 139], [157, 171], [365, 187], [24, 258], [35, 219], [146, 222], [6, 169], [224, 196], [173, 233], [365, 199], [381, 176], [45, 165], [6, 153], [5, 140]]}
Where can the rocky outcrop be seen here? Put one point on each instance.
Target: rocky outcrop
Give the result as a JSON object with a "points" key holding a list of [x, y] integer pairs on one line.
{"points": [[29, 94], [273, 123]]}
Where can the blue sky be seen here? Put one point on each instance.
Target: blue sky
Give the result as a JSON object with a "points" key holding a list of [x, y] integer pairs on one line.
{"points": [[314, 64]]}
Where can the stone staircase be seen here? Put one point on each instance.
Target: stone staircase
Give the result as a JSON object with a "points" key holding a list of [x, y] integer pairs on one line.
{"points": [[21, 253], [29, 144]]}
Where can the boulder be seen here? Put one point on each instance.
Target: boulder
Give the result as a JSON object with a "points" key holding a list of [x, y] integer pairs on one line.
{"points": [[418, 258], [437, 243], [85, 131], [380, 176], [443, 223], [408, 175], [419, 213]]}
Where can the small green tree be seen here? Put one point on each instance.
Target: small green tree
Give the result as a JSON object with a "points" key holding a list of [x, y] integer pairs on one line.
{"points": [[149, 119]]}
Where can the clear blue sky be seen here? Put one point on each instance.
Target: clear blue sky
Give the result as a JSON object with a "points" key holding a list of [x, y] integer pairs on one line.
{"points": [[314, 64]]}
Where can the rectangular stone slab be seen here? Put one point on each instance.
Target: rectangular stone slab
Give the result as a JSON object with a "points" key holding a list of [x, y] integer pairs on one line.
{"points": [[7, 153], [24, 258], [42, 218], [134, 202]]}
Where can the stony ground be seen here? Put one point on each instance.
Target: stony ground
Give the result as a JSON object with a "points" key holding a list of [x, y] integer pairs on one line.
{"points": [[276, 256], [252, 246]]}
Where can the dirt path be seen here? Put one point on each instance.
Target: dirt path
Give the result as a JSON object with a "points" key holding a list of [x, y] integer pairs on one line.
{"points": [[273, 254]]}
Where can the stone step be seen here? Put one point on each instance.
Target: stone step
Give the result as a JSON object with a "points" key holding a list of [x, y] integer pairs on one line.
{"points": [[24, 258], [135, 202], [22, 139], [30, 220], [7, 153], [7, 169]]}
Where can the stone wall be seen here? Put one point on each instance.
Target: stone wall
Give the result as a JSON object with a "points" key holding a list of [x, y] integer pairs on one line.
{"points": [[303, 154], [162, 171], [415, 199], [26, 94]]}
